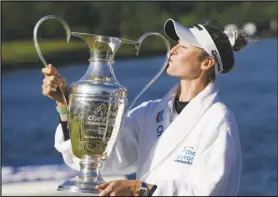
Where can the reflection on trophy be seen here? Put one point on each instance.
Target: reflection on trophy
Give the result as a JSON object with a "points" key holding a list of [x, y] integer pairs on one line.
{"points": [[97, 105]]}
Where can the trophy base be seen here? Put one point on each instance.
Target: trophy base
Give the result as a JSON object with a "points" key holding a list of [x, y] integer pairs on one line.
{"points": [[77, 185]]}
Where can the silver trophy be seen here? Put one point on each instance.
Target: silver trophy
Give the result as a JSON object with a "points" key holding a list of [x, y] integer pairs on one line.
{"points": [[97, 105]]}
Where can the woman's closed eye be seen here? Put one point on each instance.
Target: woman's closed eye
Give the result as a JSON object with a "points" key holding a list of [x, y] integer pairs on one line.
{"points": [[183, 45]]}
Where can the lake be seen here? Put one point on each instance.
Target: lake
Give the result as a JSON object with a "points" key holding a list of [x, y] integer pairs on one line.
{"points": [[29, 119]]}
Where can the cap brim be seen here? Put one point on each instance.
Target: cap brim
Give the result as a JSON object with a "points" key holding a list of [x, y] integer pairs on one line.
{"points": [[176, 31]]}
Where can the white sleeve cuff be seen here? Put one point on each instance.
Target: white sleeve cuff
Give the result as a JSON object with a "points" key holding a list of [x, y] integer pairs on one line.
{"points": [[60, 144], [65, 148]]}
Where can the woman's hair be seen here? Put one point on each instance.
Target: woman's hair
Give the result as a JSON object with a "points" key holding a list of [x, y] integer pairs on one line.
{"points": [[226, 42]]}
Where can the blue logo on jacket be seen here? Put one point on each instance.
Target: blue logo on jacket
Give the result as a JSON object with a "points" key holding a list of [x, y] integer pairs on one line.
{"points": [[186, 156], [159, 118]]}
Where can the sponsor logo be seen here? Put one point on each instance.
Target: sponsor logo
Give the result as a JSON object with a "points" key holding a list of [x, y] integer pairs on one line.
{"points": [[159, 130], [159, 118], [186, 155], [94, 119]]}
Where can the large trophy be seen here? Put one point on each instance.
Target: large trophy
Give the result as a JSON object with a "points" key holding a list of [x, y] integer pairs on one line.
{"points": [[97, 105]]}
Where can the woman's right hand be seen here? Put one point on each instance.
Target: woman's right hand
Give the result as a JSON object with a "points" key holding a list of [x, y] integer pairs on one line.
{"points": [[52, 80]]}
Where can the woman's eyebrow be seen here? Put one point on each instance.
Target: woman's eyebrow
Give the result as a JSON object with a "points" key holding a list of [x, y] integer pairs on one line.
{"points": [[183, 44]]}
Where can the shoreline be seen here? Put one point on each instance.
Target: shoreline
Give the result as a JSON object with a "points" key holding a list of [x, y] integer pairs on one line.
{"points": [[81, 56], [63, 59]]}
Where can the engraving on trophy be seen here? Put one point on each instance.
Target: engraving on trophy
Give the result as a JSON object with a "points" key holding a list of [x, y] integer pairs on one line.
{"points": [[97, 120]]}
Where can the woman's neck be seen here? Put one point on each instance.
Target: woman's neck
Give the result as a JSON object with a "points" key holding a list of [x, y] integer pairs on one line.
{"points": [[191, 88]]}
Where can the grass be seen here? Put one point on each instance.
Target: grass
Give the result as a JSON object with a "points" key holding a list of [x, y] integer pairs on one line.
{"points": [[19, 54], [24, 51]]}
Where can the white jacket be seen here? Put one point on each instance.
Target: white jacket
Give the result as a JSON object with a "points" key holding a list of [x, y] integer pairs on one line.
{"points": [[198, 153]]}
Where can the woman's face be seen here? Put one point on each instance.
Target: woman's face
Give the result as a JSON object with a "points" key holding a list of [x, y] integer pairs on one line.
{"points": [[185, 61]]}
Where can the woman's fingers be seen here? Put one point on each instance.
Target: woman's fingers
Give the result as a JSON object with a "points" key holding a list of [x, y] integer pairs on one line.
{"points": [[50, 85], [48, 91], [54, 81], [107, 191], [102, 186], [50, 70], [53, 69], [51, 82]]}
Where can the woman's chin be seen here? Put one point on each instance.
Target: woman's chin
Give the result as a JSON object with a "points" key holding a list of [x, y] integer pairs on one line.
{"points": [[170, 72]]}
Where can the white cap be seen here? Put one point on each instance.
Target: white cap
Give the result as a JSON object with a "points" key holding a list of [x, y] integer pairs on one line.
{"points": [[197, 36]]}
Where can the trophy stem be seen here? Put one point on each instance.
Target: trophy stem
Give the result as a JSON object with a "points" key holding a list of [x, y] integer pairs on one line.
{"points": [[89, 176], [90, 169]]}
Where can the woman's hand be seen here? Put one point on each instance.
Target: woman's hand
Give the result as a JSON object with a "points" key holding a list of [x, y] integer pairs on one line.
{"points": [[119, 188], [51, 82]]}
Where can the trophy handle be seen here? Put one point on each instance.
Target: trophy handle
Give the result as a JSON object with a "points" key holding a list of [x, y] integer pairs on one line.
{"points": [[137, 46], [68, 34], [109, 148]]}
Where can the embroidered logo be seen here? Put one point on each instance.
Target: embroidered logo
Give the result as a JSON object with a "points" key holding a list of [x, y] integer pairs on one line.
{"points": [[159, 130], [159, 116], [186, 155]]}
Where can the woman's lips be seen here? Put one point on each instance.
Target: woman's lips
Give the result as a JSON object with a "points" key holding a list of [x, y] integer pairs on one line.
{"points": [[170, 61]]}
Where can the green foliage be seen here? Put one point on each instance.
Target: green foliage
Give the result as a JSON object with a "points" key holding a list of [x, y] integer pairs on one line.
{"points": [[24, 51], [124, 19]]}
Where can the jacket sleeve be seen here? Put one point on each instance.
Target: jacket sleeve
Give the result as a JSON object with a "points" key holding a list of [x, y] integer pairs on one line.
{"points": [[216, 171], [123, 158], [64, 147]]}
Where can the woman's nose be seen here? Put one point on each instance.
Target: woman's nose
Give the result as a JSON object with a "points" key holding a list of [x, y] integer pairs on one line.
{"points": [[174, 49]]}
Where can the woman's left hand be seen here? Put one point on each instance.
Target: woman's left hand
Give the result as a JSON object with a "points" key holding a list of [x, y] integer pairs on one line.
{"points": [[119, 188]]}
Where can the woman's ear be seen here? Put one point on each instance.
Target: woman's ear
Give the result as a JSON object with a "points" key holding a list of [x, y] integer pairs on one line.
{"points": [[207, 63]]}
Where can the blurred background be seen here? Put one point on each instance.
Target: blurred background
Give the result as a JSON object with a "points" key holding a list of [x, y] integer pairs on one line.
{"points": [[30, 163]]}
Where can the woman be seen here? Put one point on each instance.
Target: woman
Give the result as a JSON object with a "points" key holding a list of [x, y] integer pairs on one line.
{"points": [[186, 143]]}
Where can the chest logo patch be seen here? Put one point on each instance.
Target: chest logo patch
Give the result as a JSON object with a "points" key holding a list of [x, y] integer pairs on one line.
{"points": [[159, 116], [186, 155]]}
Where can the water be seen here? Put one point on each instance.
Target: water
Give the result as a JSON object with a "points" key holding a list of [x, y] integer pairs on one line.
{"points": [[29, 119]]}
